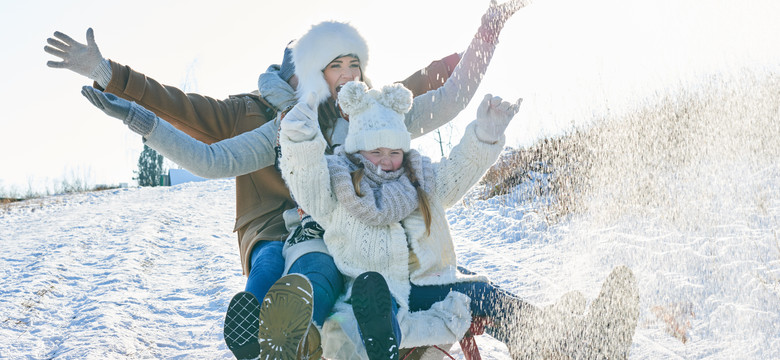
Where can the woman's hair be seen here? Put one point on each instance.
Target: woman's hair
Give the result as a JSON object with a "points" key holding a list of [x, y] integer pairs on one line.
{"points": [[422, 197]]}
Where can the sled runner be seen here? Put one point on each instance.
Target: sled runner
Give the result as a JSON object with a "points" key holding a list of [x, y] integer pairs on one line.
{"points": [[468, 344]]}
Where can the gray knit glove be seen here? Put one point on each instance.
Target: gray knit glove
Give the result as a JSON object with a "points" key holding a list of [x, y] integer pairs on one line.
{"points": [[496, 16], [300, 123], [493, 116], [136, 117], [77, 57]]}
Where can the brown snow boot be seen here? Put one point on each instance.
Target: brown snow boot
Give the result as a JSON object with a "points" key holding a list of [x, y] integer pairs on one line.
{"points": [[285, 317]]}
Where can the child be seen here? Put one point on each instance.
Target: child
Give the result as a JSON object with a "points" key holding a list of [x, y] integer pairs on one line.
{"points": [[382, 205]]}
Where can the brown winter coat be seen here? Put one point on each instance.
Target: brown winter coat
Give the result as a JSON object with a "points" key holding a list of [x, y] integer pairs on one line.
{"points": [[261, 196]]}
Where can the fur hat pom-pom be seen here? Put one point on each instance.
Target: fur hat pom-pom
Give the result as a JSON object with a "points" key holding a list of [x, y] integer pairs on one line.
{"points": [[353, 99]]}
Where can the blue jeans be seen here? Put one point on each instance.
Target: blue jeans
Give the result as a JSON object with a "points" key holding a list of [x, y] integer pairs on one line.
{"points": [[267, 265], [487, 300], [326, 282]]}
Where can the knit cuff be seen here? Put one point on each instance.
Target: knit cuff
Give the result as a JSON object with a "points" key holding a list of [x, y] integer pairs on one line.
{"points": [[482, 150], [102, 73], [140, 120]]}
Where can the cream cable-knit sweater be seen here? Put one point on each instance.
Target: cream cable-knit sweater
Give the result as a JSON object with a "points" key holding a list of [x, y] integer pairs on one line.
{"points": [[357, 247]]}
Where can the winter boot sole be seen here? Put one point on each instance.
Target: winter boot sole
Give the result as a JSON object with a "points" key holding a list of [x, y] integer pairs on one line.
{"points": [[372, 305], [285, 316], [241, 326]]}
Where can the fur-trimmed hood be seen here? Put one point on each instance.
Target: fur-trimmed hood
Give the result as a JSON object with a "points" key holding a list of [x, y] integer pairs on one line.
{"points": [[323, 43]]}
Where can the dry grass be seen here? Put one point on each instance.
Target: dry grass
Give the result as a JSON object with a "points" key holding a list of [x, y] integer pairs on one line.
{"points": [[65, 186], [635, 162], [559, 159]]}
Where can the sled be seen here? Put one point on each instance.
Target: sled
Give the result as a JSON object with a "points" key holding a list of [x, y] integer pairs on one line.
{"points": [[468, 344]]}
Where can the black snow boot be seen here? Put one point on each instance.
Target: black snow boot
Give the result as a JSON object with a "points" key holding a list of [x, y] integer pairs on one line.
{"points": [[241, 326], [372, 305]]}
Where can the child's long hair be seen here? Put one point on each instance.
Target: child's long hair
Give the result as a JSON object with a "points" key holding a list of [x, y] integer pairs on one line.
{"points": [[422, 197]]}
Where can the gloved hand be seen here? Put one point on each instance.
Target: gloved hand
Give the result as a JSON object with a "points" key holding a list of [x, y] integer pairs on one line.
{"points": [[135, 116], [496, 16], [300, 123], [77, 57], [109, 103], [493, 116]]}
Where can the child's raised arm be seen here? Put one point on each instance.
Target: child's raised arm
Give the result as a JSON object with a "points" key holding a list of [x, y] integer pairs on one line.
{"points": [[479, 148], [303, 164]]}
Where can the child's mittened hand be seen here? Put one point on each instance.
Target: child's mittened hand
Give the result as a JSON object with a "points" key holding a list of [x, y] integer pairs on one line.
{"points": [[493, 116], [109, 103], [300, 123]]}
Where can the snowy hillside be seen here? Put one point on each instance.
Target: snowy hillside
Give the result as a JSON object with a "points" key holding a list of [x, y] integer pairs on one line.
{"points": [[148, 273], [132, 273]]}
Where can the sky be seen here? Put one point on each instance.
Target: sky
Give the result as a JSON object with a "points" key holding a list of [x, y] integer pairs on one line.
{"points": [[568, 59]]}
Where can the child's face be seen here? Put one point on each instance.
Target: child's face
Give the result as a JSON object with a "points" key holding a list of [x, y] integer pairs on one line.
{"points": [[384, 158]]}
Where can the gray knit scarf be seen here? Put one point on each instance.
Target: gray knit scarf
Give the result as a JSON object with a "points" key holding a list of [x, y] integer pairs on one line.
{"points": [[274, 89], [389, 197]]}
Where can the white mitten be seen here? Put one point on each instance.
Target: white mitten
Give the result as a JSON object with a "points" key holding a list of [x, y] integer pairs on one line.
{"points": [[300, 123], [493, 116]]}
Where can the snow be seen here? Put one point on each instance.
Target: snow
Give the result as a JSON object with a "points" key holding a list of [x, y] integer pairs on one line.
{"points": [[149, 272], [129, 273]]}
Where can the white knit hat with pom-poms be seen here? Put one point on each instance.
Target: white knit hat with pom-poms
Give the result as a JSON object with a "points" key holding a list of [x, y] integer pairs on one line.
{"points": [[376, 117]]}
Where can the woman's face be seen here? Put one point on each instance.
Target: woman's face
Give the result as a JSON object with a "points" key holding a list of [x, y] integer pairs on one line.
{"points": [[341, 71], [384, 158]]}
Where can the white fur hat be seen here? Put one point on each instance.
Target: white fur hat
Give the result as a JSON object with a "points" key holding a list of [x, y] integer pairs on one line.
{"points": [[376, 118], [322, 44]]}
